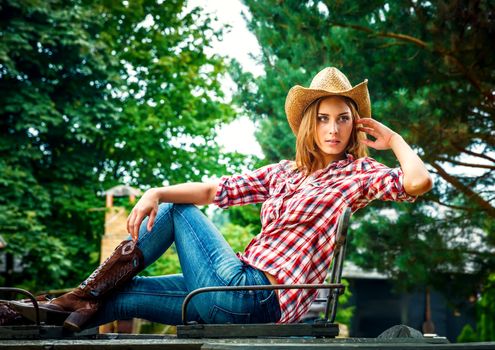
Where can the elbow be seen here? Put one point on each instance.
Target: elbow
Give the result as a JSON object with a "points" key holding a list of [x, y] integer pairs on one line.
{"points": [[212, 192], [419, 187], [208, 195], [203, 193]]}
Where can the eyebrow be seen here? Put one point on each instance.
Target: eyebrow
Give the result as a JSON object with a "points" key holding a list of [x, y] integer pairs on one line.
{"points": [[343, 113]]}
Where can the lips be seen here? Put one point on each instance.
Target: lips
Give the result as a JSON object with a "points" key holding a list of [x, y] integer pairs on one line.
{"points": [[332, 142]]}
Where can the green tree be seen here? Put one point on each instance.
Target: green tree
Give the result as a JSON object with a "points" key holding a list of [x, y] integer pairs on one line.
{"points": [[430, 66], [93, 94], [485, 312]]}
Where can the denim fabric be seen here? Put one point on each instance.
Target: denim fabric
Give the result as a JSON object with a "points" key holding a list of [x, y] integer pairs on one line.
{"points": [[206, 260]]}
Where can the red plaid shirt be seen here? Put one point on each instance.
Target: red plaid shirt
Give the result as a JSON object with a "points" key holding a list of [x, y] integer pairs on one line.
{"points": [[299, 223]]}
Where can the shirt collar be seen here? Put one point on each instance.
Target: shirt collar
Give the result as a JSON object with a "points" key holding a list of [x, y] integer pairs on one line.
{"points": [[336, 164], [343, 162]]}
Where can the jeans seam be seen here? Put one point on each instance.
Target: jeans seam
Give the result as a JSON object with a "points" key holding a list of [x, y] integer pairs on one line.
{"points": [[258, 278], [201, 245], [261, 279]]}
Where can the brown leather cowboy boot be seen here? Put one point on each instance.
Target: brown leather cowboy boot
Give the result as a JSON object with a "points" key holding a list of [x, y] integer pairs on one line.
{"points": [[83, 302]]}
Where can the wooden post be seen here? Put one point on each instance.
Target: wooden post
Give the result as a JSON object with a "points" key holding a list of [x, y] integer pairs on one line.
{"points": [[428, 325], [116, 232], [109, 203]]}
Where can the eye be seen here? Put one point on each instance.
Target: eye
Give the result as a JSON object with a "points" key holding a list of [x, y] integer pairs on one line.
{"points": [[322, 118], [344, 118]]}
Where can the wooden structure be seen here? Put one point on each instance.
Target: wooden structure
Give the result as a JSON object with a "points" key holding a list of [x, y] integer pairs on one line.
{"points": [[116, 232], [115, 219]]}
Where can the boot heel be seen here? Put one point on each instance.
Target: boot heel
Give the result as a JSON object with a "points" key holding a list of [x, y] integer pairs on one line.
{"points": [[76, 320]]}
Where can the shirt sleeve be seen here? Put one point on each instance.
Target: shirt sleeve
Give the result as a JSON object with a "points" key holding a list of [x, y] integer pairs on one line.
{"points": [[384, 183], [252, 187]]}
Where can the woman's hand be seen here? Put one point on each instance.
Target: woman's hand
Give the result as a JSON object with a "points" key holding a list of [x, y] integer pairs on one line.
{"points": [[380, 132], [417, 179], [146, 206]]}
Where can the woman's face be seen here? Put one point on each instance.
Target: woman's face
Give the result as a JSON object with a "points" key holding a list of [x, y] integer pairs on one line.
{"points": [[333, 128]]}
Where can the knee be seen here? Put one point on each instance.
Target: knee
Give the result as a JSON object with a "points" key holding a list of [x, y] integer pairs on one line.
{"points": [[172, 209], [184, 208], [176, 206], [165, 207]]}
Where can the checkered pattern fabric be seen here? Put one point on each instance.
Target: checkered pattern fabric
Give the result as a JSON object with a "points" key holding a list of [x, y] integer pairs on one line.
{"points": [[299, 217]]}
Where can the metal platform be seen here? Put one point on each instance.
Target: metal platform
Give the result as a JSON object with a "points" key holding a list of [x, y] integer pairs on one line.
{"points": [[152, 342], [43, 332], [216, 331]]}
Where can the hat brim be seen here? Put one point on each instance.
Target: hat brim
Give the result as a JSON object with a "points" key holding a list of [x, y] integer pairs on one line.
{"points": [[299, 98]]}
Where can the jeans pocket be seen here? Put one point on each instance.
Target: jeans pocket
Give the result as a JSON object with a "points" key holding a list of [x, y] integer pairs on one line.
{"points": [[220, 315], [269, 306], [266, 296]]}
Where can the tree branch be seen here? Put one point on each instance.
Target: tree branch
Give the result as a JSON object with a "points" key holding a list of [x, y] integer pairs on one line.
{"points": [[471, 77], [484, 166], [476, 179], [479, 155], [470, 194], [402, 37], [452, 206]]}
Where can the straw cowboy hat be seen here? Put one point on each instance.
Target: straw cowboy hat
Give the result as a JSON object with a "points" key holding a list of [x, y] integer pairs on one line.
{"points": [[328, 82]]}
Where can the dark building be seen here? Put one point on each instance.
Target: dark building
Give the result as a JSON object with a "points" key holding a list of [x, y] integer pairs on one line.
{"points": [[378, 307]]}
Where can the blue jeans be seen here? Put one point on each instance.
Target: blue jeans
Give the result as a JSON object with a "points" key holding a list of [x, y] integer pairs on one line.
{"points": [[206, 260]]}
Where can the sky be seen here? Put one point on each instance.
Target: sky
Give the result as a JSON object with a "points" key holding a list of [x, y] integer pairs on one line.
{"points": [[237, 43]]}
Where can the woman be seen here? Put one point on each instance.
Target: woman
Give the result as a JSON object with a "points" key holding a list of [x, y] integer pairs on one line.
{"points": [[301, 203]]}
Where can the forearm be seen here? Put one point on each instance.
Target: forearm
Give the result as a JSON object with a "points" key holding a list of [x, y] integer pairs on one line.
{"points": [[193, 192], [417, 179]]}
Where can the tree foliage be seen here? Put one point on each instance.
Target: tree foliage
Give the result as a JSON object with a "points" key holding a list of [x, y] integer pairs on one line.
{"points": [[93, 94], [430, 66], [418, 249], [485, 317]]}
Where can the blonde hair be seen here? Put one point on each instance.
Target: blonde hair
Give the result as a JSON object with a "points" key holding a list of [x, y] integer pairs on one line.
{"points": [[309, 157]]}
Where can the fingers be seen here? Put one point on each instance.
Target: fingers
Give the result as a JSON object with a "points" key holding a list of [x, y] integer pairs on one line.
{"points": [[130, 220], [369, 124], [146, 206], [368, 142], [380, 132], [367, 130], [366, 121], [151, 220], [136, 225], [134, 222]]}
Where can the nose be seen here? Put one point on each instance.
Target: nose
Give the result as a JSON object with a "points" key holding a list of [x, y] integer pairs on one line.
{"points": [[332, 127]]}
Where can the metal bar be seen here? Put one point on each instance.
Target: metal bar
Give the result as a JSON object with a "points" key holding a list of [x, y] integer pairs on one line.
{"points": [[29, 295], [330, 298], [335, 296], [338, 263], [320, 300], [258, 287]]}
